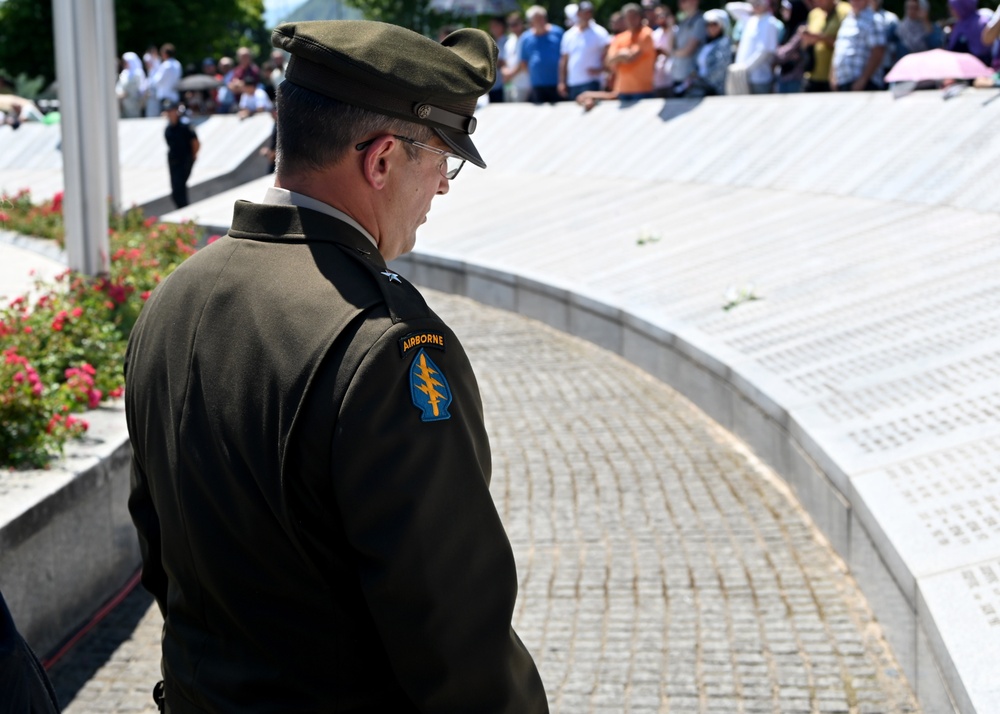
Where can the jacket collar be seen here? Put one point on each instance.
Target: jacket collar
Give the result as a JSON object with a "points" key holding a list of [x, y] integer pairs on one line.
{"points": [[294, 224]]}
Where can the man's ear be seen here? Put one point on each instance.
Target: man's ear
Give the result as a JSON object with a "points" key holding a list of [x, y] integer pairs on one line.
{"points": [[379, 159]]}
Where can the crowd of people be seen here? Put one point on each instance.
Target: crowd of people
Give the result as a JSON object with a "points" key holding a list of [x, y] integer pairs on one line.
{"points": [[157, 85], [750, 46], [220, 87], [755, 47]]}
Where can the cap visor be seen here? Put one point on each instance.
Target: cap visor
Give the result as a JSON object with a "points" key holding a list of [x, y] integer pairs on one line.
{"points": [[462, 145]]}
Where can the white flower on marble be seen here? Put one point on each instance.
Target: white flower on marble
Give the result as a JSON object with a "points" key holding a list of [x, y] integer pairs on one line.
{"points": [[739, 294], [646, 235]]}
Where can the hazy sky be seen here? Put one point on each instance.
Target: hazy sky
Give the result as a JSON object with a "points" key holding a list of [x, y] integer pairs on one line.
{"points": [[274, 10]]}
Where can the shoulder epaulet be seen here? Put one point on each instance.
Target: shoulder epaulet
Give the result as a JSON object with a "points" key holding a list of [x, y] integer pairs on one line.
{"points": [[402, 299]]}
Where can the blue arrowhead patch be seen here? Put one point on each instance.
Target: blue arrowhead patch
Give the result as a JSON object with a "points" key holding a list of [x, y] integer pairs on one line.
{"points": [[429, 388]]}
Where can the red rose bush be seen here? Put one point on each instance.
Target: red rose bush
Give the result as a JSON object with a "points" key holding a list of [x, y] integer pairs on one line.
{"points": [[63, 344]]}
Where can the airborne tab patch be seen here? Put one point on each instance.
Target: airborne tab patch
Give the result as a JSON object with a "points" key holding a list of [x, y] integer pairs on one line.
{"points": [[420, 339], [429, 388]]}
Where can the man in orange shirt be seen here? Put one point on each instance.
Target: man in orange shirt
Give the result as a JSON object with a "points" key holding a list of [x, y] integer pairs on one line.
{"points": [[631, 56]]}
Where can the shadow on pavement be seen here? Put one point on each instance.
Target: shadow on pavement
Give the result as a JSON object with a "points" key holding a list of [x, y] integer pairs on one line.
{"points": [[79, 665]]}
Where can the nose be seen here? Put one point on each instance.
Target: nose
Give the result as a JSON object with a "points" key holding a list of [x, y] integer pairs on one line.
{"points": [[443, 185]]}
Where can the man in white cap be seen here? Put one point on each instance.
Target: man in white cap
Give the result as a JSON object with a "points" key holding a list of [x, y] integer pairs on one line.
{"points": [[569, 13]]}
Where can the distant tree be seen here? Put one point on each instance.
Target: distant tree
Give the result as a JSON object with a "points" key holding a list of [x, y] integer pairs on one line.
{"points": [[407, 13], [28, 87], [26, 38], [197, 28]]}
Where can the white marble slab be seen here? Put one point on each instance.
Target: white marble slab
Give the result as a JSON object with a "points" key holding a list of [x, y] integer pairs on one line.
{"points": [[31, 157], [936, 511], [965, 606]]}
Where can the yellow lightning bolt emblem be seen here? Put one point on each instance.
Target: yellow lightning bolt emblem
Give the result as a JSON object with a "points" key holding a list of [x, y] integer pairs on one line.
{"points": [[430, 385], [429, 388]]}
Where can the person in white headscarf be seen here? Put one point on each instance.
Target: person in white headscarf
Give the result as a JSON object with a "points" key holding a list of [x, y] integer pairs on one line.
{"points": [[130, 86]]}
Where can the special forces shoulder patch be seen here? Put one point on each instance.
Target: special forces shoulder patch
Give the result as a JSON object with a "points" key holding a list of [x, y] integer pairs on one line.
{"points": [[429, 388]]}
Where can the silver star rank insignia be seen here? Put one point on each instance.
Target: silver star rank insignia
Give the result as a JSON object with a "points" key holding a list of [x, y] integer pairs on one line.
{"points": [[393, 277]]}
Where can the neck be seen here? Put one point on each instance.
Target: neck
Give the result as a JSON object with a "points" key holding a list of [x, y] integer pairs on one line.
{"points": [[346, 197]]}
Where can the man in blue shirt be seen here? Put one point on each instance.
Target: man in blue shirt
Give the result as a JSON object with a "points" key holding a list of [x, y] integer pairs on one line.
{"points": [[540, 56]]}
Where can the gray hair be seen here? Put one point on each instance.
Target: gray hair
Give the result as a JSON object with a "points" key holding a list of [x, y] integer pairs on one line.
{"points": [[534, 11]]}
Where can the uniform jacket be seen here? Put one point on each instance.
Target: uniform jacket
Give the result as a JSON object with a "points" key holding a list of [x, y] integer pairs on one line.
{"points": [[24, 686], [310, 485]]}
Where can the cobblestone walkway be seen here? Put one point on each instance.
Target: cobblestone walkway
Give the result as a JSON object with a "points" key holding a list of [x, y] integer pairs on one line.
{"points": [[662, 567]]}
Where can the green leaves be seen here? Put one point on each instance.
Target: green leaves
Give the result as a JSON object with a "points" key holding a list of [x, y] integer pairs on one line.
{"points": [[197, 28]]}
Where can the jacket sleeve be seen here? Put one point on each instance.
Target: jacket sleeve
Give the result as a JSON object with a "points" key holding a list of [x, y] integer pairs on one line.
{"points": [[411, 477], [147, 525]]}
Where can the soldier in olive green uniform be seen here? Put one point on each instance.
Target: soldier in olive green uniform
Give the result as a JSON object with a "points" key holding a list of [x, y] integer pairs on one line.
{"points": [[311, 469]]}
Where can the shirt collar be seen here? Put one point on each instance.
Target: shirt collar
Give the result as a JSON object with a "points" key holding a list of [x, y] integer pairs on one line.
{"points": [[283, 197]]}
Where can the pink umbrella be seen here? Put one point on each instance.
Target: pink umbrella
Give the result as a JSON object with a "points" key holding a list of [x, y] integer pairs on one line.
{"points": [[937, 64]]}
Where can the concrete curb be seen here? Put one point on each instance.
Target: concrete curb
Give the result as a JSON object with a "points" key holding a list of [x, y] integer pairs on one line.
{"points": [[67, 543]]}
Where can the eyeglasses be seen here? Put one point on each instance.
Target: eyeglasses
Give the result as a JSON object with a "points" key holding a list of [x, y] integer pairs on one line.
{"points": [[450, 165]]}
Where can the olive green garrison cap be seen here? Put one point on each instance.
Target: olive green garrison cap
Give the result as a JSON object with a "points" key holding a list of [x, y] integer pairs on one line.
{"points": [[394, 71]]}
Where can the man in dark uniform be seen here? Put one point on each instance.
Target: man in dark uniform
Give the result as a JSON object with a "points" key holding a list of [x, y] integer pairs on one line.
{"points": [[182, 150], [24, 686], [310, 464]]}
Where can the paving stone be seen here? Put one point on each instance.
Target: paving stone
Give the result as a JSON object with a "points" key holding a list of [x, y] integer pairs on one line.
{"points": [[660, 569]]}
